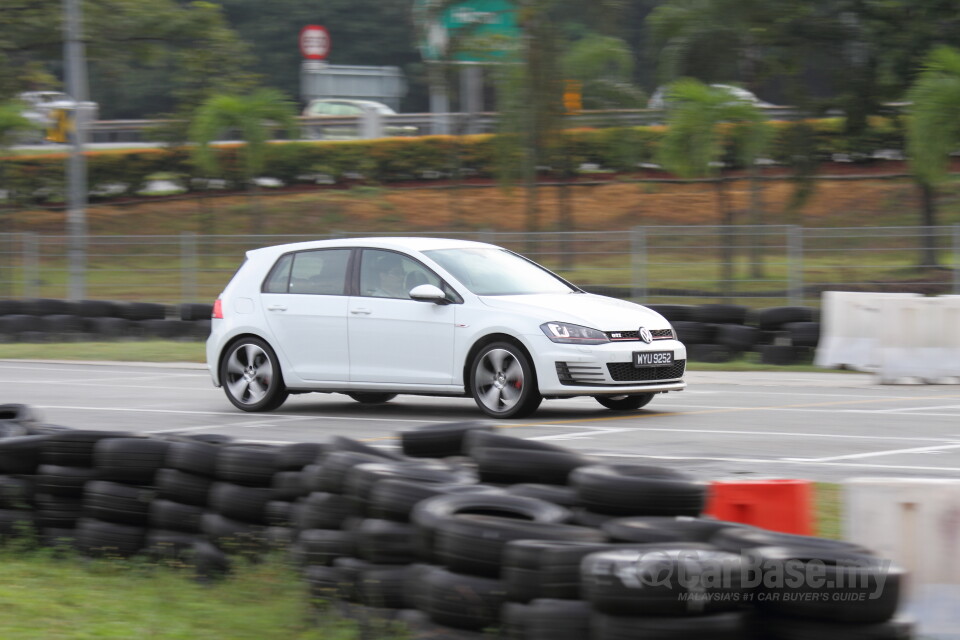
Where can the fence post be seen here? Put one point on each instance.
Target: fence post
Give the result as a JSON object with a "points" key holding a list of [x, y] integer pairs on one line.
{"points": [[795, 265], [956, 259], [188, 266], [31, 265], [6, 265], [638, 264]]}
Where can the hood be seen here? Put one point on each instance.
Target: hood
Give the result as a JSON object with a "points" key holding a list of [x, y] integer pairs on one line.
{"points": [[586, 309]]}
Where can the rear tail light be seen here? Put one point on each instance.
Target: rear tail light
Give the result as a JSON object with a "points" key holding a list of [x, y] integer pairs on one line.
{"points": [[217, 309]]}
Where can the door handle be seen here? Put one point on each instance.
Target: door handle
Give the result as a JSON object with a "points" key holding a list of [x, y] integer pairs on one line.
{"points": [[276, 307], [360, 312]]}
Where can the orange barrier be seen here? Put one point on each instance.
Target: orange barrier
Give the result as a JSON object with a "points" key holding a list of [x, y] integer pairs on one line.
{"points": [[778, 505]]}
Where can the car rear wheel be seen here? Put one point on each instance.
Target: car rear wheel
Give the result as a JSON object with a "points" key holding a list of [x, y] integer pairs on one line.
{"points": [[372, 398], [625, 403], [251, 377], [503, 382]]}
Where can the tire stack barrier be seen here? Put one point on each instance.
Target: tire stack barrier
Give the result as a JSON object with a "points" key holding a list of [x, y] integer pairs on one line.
{"points": [[453, 536], [54, 320], [722, 332]]}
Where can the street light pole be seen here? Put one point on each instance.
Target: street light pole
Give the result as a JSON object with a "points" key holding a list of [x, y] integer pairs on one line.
{"points": [[75, 63]]}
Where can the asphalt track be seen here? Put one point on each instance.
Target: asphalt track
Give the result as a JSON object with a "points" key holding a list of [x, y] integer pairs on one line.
{"points": [[817, 426]]}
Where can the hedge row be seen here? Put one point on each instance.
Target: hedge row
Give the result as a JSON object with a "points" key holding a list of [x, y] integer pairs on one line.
{"points": [[467, 529], [39, 179]]}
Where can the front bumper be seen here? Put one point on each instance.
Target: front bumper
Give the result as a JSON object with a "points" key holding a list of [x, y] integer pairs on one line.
{"points": [[576, 370]]}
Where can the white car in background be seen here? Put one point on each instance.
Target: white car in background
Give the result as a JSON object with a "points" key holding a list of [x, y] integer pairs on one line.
{"points": [[377, 317], [341, 119]]}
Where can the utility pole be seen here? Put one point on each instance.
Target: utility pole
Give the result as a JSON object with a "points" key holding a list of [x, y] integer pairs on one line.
{"points": [[75, 63]]}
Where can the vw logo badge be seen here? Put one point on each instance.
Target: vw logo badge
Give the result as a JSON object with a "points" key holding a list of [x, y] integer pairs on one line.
{"points": [[645, 335]]}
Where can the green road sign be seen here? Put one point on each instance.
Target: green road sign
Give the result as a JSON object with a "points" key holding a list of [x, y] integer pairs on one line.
{"points": [[469, 31]]}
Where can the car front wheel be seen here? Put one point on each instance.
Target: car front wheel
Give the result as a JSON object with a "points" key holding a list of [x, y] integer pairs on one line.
{"points": [[625, 403], [503, 382], [251, 377]]}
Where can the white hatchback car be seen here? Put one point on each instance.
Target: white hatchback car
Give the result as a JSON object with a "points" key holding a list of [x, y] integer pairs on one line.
{"points": [[377, 317]]}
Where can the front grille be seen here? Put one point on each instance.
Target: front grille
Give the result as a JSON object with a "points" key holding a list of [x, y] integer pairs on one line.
{"points": [[627, 336], [626, 372]]}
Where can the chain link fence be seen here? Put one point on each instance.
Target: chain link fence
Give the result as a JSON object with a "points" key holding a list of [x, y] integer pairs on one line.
{"points": [[757, 266]]}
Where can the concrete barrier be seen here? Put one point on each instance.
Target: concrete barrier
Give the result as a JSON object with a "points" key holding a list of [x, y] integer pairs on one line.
{"points": [[919, 339], [916, 523], [849, 329]]}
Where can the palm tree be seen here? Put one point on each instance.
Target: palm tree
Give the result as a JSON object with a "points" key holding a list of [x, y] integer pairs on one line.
{"points": [[254, 117], [933, 131], [692, 146]]}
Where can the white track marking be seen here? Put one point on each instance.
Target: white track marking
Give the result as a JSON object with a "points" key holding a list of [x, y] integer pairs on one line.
{"points": [[594, 431], [776, 461], [877, 454]]}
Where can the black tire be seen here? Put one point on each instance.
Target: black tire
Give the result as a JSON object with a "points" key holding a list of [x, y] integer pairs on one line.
{"points": [[849, 588], [74, 447], [673, 312], [503, 382], [192, 456], [296, 456], [474, 544], [56, 480], [249, 465], [336, 466], [476, 439], [58, 511], [323, 546], [511, 466], [803, 334], [779, 354], [238, 502], [773, 318], [394, 499], [372, 398], [251, 376], [18, 413], [720, 313], [440, 440], [663, 581], [195, 311], [21, 454], [721, 626], [118, 503], [386, 542], [183, 487], [384, 587], [321, 510], [109, 539], [288, 485], [638, 490], [343, 443], [362, 478], [741, 538], [560, 495], [738, 337], [690, 333], [430, 512], [660, 529], [461, 601], [130, 460], [176, 516], [625, 403]]}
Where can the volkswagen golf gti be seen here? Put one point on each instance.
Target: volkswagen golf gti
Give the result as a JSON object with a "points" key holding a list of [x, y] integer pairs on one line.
{"points": [[376, 317]]}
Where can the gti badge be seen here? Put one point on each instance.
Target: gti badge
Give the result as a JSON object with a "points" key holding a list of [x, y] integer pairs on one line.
{"points": [[645, 335]]}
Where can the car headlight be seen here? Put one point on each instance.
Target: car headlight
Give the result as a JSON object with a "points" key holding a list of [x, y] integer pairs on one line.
{"points": [[566, 333]]}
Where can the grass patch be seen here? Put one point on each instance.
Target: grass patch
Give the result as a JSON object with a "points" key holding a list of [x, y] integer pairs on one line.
{"points": [[828, 510], [140, 351], [44, 596]]}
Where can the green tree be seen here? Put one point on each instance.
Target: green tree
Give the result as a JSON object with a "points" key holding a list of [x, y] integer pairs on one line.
{"points": [[692, 146], [253, 117], [603, 68], [933, 131]]}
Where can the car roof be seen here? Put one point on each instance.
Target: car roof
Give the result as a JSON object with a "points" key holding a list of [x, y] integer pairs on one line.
{"points": [[397, 243]]}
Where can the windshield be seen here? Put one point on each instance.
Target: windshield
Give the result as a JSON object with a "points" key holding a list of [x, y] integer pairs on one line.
{"points": [[497, 272]]}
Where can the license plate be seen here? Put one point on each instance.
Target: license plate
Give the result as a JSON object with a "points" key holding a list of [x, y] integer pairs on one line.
{"points": [[652, 358]]}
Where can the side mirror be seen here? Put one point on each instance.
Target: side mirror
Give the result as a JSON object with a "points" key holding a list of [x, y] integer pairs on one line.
{"points": [[428, 293]]}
